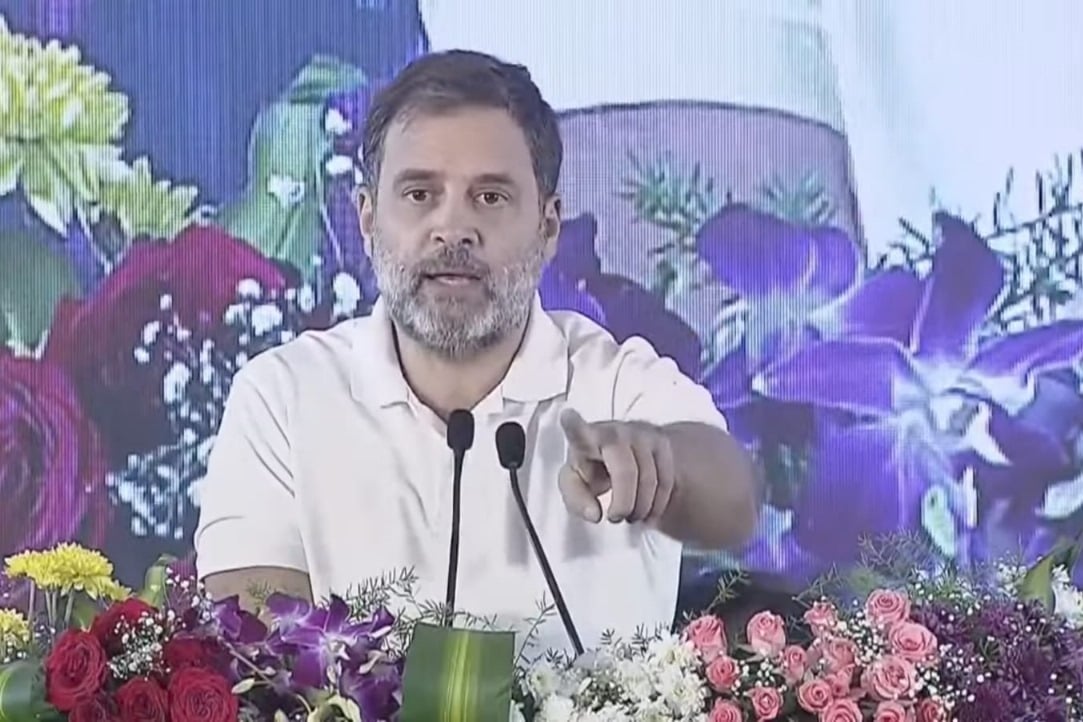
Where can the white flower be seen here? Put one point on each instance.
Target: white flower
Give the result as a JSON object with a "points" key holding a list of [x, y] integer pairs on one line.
{"points": [[142, 356], [150, 332], [556, 709], [1068, 599], [335, 123], [174, 383], [347, 294], [338, 165], [542, 680], [265, 318], [287, 191], [306, 299], [165, 302], [249, 288]]}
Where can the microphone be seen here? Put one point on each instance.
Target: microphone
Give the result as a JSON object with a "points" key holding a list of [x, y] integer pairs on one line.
{"points": [[460, 437], [510, 449]]}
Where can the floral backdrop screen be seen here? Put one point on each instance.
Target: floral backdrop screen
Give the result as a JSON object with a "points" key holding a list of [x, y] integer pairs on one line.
{"points": [[175, 198]]}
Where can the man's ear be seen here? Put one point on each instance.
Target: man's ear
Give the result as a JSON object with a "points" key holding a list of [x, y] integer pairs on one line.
{"points": [[550, 229], [366, 216]]}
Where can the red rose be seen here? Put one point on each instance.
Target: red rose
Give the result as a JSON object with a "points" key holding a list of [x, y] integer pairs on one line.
{"points": [[98, 709], [184, 652], [74, 670], [142, 700], [198, 695], [106, 625], [52, 469], [95, 338]]}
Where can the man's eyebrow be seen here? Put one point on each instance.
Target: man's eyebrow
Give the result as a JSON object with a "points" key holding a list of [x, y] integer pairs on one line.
{"points": [[415, 175], [410, 175]]}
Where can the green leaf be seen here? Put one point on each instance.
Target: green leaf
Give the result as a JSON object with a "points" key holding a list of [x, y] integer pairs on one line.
{"points": [[154, 582], [458, 675], [321, 77], [83, 611], [46, 191], [22, 693], [33, 279], [1037, 583], [279, 212]]}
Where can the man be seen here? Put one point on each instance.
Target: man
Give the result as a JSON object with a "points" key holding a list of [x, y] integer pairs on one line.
{"points": [[331, 465]]}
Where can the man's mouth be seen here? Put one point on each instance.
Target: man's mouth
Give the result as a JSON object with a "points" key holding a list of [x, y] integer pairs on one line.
{"points": [[453, 278]]}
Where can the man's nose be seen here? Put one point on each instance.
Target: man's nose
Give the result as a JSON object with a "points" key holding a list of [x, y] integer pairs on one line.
{"points": [[455, 225]]}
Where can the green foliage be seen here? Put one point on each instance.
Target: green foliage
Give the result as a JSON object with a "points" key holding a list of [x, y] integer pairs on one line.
{"points": [[22, 691], [1037, 583], [668, 197], [33, 280], [280, 210], [807, 203]]}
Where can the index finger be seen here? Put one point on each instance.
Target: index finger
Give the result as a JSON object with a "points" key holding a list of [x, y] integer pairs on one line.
{"points": [[579, 434]]}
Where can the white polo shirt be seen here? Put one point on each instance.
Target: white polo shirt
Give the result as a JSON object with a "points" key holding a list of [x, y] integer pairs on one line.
{"points": [[327, 463]]}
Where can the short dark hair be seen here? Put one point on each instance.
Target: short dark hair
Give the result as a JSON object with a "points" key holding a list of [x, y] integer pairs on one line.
{"points": [[454, 79]]}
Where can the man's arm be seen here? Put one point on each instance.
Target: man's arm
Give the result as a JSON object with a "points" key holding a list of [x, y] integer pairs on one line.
{"points": [[248, 542], [716, 495]]}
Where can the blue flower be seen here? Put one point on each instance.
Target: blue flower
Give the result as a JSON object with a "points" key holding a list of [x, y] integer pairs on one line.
{"points": [[916, 390], [784, 275], [574, 281]]}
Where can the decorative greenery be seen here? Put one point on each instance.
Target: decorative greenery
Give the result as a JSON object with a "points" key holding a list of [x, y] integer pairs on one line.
{"points": [[281, 210], [33, 279], [806, 203], [1042, 253], [144, 206]]}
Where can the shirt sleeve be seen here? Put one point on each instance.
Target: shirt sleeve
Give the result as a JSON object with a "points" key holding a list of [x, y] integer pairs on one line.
{"points": [[248, 511], [652, 389]]}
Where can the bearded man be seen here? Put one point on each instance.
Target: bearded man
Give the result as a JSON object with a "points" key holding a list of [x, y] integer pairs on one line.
{"points": [[331, 465]]}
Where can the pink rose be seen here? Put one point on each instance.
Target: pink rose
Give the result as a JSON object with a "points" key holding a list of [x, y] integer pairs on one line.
{"points": [[931, 710], [708, 636], [815, 695], [890, 678], [841, 710], [722, 674], [892, 712], [838, 653], [885, 607], [794, 664], [841, 682], [766, 702], [821, 618], [766, 634], [725, 711], [914, 642]]}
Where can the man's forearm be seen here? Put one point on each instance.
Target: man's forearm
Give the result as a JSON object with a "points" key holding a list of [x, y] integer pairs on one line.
{"points": [[716, 498]]}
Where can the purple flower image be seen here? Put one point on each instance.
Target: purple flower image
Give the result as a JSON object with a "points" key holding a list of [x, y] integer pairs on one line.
{"points": [[911, 387]]}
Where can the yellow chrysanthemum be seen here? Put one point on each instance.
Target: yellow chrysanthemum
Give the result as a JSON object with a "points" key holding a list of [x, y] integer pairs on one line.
{"points": [[14, 630], [65, 567], [108, 589]]}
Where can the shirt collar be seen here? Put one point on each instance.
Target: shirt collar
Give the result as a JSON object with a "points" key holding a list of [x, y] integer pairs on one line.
{"points": [[538, 372]]}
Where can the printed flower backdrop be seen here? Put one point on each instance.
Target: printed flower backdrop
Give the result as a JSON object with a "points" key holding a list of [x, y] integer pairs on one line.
{"points": [[935, 390]]}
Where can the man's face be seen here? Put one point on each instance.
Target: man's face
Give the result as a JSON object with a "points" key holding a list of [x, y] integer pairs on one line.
{"points": [[457, 232]]}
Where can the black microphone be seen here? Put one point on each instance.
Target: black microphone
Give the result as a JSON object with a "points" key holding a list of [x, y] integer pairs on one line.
{"points": [[460, 437], [511, 448]]}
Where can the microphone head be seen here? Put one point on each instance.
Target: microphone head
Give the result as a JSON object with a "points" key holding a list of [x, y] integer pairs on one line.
{"points": [[510, 445], [460, 430]]}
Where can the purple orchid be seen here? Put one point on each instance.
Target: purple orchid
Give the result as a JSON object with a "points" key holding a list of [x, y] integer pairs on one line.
{"points": [[563, 283], [321, 636], [574, 281], [785, 276], [377, 691], [921, 391]]}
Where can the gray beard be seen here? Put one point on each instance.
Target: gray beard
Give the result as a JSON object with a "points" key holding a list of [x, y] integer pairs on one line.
{"points": [[453, 329]]}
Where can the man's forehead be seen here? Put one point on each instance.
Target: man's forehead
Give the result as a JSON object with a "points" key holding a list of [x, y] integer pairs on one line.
{"points": [[482, 144]]}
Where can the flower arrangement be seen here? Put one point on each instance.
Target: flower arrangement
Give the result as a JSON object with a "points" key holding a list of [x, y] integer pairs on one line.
{"points": [[875, 662], [910, 650]]}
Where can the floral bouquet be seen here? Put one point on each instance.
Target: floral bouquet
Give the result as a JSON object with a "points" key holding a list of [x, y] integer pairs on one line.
{"points": [[90, 650], [874, 662]]}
